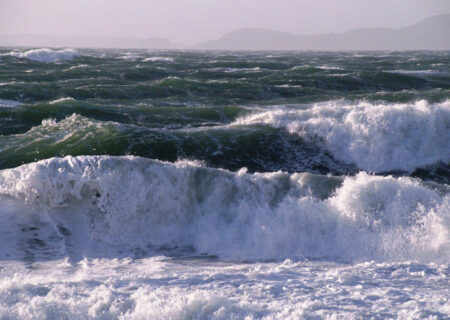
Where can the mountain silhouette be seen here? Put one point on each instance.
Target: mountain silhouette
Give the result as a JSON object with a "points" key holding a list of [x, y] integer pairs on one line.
{"points": [[429, 34]]}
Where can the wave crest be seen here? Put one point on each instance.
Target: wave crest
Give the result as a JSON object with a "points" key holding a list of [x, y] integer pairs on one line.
{"points": [[103, 204], [46, 55], [378, 138]]}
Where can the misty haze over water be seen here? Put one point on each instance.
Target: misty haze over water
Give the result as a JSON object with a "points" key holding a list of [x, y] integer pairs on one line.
{"points": [[429, 34]]}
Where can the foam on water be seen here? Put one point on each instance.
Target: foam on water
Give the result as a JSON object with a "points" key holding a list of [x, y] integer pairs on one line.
{"points": [[420, 72], [99, 206], [106, 237], [379, 138], [62, 100], [159, 59], [158, 288], [80, 66], [46, 55], [132, 56]]}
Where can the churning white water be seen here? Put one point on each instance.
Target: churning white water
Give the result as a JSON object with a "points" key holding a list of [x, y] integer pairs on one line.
{"points": [[378, 138], [126, 237]]}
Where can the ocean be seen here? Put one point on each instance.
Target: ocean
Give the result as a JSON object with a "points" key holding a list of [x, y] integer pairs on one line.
{"points": [[139, 184]]}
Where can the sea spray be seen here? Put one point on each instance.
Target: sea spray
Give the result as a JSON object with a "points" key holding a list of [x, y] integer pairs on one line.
{"points": [[379, 138], [128, 203]]}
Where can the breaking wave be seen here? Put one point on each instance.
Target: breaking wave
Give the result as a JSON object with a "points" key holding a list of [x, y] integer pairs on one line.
{"points": [[62, 100], [46, 55], [377, 138], [102, 205]]}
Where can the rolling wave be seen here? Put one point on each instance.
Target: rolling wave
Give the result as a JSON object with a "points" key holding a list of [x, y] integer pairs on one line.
{"points": [[377, 138], [259, 148], [107, 206]]}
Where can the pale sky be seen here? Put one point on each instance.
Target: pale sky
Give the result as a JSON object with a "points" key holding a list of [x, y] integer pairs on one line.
{"points": [[193, 21]]}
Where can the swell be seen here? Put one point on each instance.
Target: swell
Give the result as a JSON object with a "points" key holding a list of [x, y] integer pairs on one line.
{"points": [[141, 113], [331, 137], [235, 78], [112, 206], [143, 85], [259, 148]]}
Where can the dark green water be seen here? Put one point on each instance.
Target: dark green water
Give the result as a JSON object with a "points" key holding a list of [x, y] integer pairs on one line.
{"points": [[315, 109]]}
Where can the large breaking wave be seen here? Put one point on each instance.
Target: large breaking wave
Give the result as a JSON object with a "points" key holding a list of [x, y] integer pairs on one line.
{"points": [[103, 206], [378, 138]]}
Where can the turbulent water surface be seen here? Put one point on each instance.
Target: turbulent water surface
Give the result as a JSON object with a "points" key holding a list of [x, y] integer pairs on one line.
{"points": [[224, 185]]}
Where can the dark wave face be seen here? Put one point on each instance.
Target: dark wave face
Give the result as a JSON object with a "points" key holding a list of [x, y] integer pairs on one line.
{"points": [[318, 112]]}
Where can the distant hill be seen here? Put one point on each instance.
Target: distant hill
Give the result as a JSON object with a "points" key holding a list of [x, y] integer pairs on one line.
{"points": [[429, 34], [23, 40]]}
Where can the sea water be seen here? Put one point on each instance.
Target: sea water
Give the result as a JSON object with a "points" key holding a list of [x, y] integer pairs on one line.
{"points": [[224, 185]]}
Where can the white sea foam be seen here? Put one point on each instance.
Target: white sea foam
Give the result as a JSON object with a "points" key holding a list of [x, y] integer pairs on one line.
{"points": [[131, 56], [9, 83], [71, 230], [80, 66], [329, 67], [62, 100], [289, 86], [46, 55], [160, 59], [419, 72], [110, 204], [374, 137], [233, 70], [158, 288]]}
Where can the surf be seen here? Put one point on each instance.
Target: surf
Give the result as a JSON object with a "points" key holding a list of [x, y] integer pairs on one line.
{"points": [[103, 205], [374, 137]]}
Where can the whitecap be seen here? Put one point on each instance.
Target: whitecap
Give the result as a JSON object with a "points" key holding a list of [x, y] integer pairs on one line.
{"points": [[329, 67], [62, 100], [80, 66], [131, 56], [419, 72], [159, 59], [46, 55], [375, 137]]}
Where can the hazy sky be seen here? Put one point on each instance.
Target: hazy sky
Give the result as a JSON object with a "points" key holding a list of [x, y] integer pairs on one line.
{"points": [[191, 21]]}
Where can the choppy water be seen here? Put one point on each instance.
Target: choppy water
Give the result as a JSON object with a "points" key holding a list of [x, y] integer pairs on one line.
{"points": [[182, 185]]}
